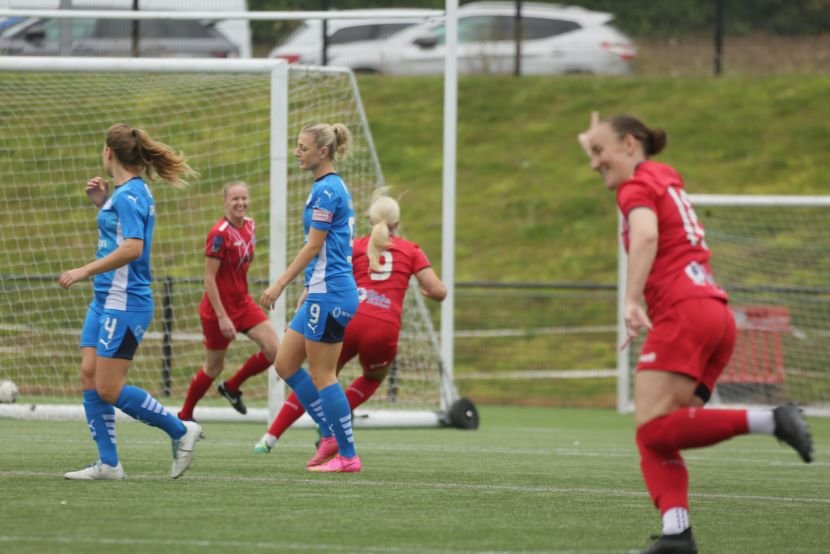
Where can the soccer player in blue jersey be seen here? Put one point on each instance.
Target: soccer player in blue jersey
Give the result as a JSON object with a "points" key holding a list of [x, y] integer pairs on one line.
{"points": [[328, 302], [122, 306]]}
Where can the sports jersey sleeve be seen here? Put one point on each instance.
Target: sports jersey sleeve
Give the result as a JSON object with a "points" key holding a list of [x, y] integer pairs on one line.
{"points": [[131, 212], [419, 259], [324, 203], [214, 245], [636, 194]]}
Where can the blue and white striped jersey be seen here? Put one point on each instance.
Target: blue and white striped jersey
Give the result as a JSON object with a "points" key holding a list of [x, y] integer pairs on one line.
{"points": [[329, 208], [129, 213]]}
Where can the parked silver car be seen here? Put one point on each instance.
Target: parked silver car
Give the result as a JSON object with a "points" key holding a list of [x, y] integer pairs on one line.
{"points": [[556, 39], [158, 38], [346, 37]]}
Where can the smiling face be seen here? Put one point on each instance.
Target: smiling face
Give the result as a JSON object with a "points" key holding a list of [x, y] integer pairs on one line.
{"points": [[613, 157], [309, 157], [236, 203]]}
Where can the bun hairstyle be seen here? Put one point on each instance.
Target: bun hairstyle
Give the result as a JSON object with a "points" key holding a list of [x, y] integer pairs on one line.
{"points": [[653, 140], [384, 211], [134, 149], [336, 137]]}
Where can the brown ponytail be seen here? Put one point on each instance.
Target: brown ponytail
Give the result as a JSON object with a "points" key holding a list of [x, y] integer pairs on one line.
{"points": [[653, 140], [134, 149]]}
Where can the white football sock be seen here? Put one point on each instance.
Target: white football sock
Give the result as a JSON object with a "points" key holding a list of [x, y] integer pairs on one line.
{"points": [[675, 521], [760, 421]]}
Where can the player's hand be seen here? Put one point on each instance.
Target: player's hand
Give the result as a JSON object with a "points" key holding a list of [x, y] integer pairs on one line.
{"points": [[69, 278], [635, 321], [269, 297], [584, 138], [226, 327], [97, 191]]}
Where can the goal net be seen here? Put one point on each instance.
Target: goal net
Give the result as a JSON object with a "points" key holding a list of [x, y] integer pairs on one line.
{"points": [[234, 120], [770, 254]]}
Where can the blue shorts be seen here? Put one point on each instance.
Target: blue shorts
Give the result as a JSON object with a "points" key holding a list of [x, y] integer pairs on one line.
{"points": [[323, 317], [114, 333]]}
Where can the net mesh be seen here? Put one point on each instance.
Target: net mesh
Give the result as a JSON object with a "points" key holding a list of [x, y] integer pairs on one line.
{"points": [[52, 127], [772, 261]]}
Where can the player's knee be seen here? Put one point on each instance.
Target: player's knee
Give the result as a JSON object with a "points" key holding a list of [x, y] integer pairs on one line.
{"points": [[377, 374], [108, 392], [269, 350]]}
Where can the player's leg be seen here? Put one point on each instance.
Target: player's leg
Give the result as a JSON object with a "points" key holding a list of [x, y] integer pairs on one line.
{"points": [[378, 349], [262, 333], [290, 357], [330, 315], [100, 415], [125, 331], [216, 344], [292, 409]]}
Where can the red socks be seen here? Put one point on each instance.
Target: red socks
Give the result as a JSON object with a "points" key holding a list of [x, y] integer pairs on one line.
{"points": [[256, 364], [661, 439], [358, 392], [198, 387], [361, 390], [692, 428], [290, 412]]}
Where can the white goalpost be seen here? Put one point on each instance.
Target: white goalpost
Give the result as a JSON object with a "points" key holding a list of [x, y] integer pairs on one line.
{"points": [[770, 254], [235, 119]]}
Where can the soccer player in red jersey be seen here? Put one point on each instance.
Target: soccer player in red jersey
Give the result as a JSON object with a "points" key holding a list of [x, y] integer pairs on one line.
{"points": [[691, 331], [226, 307], [383, 264]]}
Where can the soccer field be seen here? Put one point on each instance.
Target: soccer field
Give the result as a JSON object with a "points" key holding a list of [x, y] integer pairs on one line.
{"points": [[529, 480]]}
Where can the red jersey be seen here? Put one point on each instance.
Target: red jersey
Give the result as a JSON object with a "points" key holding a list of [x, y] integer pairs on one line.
{"points": [[381, 293], [681, 267], [234, 248]]}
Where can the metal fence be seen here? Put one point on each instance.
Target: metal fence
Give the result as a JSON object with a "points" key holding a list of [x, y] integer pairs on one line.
{"points": [[536, 343]]}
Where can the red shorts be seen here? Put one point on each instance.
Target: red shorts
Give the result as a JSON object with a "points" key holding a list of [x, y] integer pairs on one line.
{"points": [[694, 337], [373, 340], [244, 318]]}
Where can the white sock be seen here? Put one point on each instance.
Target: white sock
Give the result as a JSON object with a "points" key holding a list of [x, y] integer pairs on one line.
{"points": [[675, 521], [760, 421], [269, 439]]}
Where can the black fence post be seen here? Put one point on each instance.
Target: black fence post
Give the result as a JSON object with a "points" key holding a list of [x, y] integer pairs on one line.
{"points": [[719, 19], [167, 339]]}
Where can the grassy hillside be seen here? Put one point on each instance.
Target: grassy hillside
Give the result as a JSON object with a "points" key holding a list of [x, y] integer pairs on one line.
{"points": [[529, 207]]}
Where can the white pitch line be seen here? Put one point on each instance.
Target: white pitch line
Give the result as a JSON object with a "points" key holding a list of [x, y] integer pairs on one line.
{"points": [[448, 486], [281, 546]]}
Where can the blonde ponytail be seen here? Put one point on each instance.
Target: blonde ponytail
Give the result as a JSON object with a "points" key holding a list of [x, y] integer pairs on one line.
{"points": [[384, 212]]}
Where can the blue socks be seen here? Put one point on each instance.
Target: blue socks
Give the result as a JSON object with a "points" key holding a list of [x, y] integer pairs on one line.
{"points": [[306, 392], [336, 408], [100, 416], [139, 404]]}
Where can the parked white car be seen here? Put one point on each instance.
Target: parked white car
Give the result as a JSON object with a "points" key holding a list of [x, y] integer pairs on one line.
{"points": [[557, 39], [348, 39]]}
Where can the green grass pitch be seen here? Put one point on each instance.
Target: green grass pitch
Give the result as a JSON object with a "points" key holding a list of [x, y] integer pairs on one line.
{"points": [[528, 481]]}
